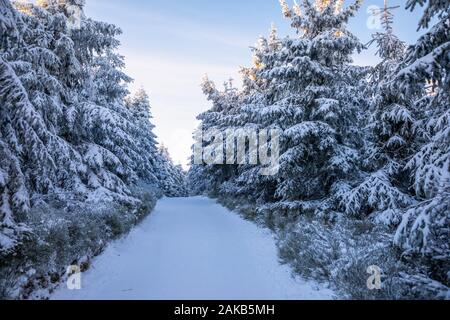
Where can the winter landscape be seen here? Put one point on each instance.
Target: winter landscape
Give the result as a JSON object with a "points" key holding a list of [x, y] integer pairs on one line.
{"points": [[321, 173]]}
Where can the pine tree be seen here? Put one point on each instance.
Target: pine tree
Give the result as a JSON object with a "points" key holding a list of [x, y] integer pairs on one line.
{"points": [[72, 142], [390, 138], [14, 196], [312, 95], [353, 139], [65, 131], [33, 155], [425, 226], [101, 123], [307, 88], [172, 177], [147, 168], [224, 115], [247, 182], [8, 21]]}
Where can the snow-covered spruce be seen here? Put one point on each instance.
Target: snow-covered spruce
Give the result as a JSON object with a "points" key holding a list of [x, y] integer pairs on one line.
{"points": [[364, 171], [425, 229], [172, 177], [75, 152], [381, 192]]}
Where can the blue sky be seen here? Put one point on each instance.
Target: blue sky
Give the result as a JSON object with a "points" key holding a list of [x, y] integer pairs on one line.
{"points": [[169, 45]]}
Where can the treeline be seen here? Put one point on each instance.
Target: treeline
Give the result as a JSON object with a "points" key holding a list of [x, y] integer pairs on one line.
{"points": [[79, 163], [364, 172]]}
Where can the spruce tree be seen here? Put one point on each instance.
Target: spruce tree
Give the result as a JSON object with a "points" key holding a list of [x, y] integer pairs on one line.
{"points": [[390, 136], [147, 168], [172, 177], [424, 230], [34, 156], [312, 95], [222, 116], [65, 131]]}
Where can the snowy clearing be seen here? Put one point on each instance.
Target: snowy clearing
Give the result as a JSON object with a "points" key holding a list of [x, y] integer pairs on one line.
{"points": [[192, 248]]}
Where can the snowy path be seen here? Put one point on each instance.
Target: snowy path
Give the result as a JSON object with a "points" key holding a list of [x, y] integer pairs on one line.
{"points": [[192, 249]]}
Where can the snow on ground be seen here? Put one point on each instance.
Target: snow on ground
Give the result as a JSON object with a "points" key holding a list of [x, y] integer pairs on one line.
{"points": [[192, 249]]}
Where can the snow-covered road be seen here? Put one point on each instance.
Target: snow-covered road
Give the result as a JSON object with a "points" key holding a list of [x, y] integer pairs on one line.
{"points": [[192, 248]]}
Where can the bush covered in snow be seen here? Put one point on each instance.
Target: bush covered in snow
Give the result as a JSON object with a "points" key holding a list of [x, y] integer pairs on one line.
{"points": [[341, 253], [66, 234]]}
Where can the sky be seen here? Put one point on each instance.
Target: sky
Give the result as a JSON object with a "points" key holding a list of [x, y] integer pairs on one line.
{"points": [[170, 45]]}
